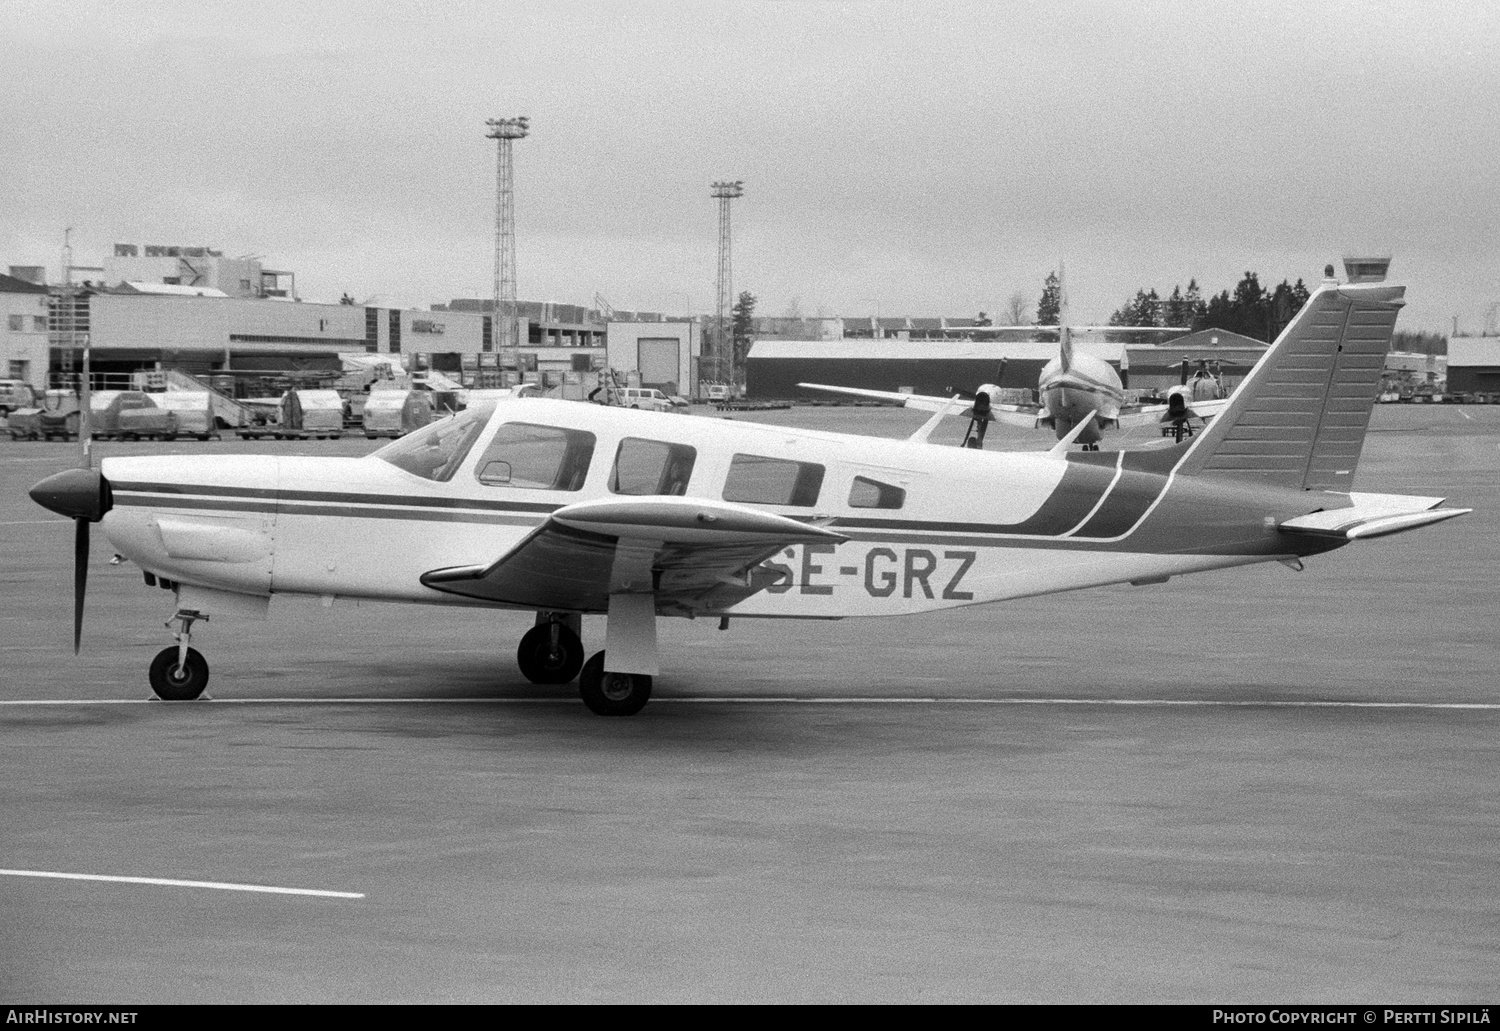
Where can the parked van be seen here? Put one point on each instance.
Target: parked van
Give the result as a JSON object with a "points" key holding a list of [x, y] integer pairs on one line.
{"points": [[648, 398]]}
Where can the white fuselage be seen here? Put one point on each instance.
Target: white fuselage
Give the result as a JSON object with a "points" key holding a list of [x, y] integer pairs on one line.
{"points": [[970, 527], [1074, 385]]}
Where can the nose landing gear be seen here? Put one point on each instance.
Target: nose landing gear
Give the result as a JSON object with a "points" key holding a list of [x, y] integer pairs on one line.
{"points": [[180, 673]]}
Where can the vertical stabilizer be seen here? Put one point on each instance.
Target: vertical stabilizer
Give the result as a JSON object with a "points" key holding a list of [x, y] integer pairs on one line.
{"points": [[1064, 336], [1299, 419]]}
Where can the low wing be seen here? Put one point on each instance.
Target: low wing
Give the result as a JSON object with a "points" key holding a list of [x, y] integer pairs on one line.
{"points": [[1373, 515], [1011, 415], [1146, 415], [692, 554]]}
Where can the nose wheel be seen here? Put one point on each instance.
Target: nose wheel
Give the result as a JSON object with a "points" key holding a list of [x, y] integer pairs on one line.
{"points": [[550, 653], [178, 679], [180, 673], [612, 694]]}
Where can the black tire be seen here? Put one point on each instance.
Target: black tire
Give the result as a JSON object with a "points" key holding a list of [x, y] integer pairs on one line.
{"points": [[541, 663], [174, 683], [612, 694]]}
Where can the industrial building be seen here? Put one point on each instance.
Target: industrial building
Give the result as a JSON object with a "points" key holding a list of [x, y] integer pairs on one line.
{"points": [[194, 310], [773, 368], [939, 366], [1473, 365], [23, 329]]}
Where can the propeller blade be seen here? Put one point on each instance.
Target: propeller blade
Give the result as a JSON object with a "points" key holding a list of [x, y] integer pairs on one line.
{"points": [[80, 578], [1183, 381]]}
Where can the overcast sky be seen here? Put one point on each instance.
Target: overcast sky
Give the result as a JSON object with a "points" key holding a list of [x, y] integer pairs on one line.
{"points": [[915, 158]]}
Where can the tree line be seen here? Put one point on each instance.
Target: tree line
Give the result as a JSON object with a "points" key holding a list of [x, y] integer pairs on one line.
{"points": [[1250, 309]]}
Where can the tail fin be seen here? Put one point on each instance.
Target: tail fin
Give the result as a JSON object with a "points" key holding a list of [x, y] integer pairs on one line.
{"points": [[1299, 418]]}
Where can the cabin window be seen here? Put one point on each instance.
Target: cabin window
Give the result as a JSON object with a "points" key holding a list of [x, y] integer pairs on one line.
{"points": [[435, 451], [536, 457], [773, 481], [651, 467], [868, 493]]}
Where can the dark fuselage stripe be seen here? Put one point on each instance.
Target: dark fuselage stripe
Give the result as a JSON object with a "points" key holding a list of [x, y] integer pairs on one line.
{"points": [[332, 496], [348, 511]]}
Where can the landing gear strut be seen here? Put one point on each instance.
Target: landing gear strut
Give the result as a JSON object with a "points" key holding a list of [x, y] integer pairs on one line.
{"points": [[612, 694], [180, 673], [550, 652]]}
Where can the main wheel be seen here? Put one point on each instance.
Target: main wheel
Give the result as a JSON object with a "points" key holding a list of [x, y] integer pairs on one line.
{"points": [[612, 694], [178, 683], [545, 660]]}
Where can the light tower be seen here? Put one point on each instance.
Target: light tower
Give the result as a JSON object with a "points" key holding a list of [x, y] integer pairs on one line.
{"points": [[723, 342], [504, 131]]}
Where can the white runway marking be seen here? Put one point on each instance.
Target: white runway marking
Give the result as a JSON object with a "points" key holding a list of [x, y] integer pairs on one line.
{"points": [[34, 522], [171, 883], [1227, 703]]}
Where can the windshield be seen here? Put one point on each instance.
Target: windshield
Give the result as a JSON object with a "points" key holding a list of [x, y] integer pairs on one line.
{"points": [[435, 451]]}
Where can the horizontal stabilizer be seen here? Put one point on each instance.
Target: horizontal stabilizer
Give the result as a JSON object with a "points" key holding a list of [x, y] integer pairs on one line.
{"points": [[1373, 515]]}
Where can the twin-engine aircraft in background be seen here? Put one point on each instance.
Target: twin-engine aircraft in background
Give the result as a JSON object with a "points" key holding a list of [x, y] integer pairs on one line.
{"points": [[568, 509], [1080, 395]]}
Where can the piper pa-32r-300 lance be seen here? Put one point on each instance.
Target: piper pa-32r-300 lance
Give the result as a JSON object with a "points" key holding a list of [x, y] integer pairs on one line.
{"points": [[567, 509]]}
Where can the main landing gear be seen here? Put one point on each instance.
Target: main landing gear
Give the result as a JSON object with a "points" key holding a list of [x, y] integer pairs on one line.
{"points": [[552, 653], [180, 673], [612, 694]]}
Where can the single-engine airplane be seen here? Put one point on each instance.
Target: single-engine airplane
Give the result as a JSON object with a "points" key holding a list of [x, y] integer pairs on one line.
{"points": [[566, 509]]}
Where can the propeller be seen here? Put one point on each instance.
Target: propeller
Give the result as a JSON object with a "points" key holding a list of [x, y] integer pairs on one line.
{"points": [[84, 496]]}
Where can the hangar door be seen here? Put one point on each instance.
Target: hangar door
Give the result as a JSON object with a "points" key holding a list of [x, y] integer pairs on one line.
{"points": [[658, 360]]}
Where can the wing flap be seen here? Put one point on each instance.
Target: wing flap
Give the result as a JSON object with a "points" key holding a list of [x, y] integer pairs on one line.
{"points": [[680, 549]]}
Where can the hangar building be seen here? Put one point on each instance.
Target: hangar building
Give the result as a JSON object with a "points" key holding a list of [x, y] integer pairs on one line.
{"points": [[1473, 365]]}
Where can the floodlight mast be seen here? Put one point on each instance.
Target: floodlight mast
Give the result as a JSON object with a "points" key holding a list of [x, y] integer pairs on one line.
{"points": [[723, 343], [505, 131]]}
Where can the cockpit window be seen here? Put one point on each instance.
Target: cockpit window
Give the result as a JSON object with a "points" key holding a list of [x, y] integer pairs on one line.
{"points": [[536, 457], [435, 451], [773, 481], [651, 467], [868, 493]]}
